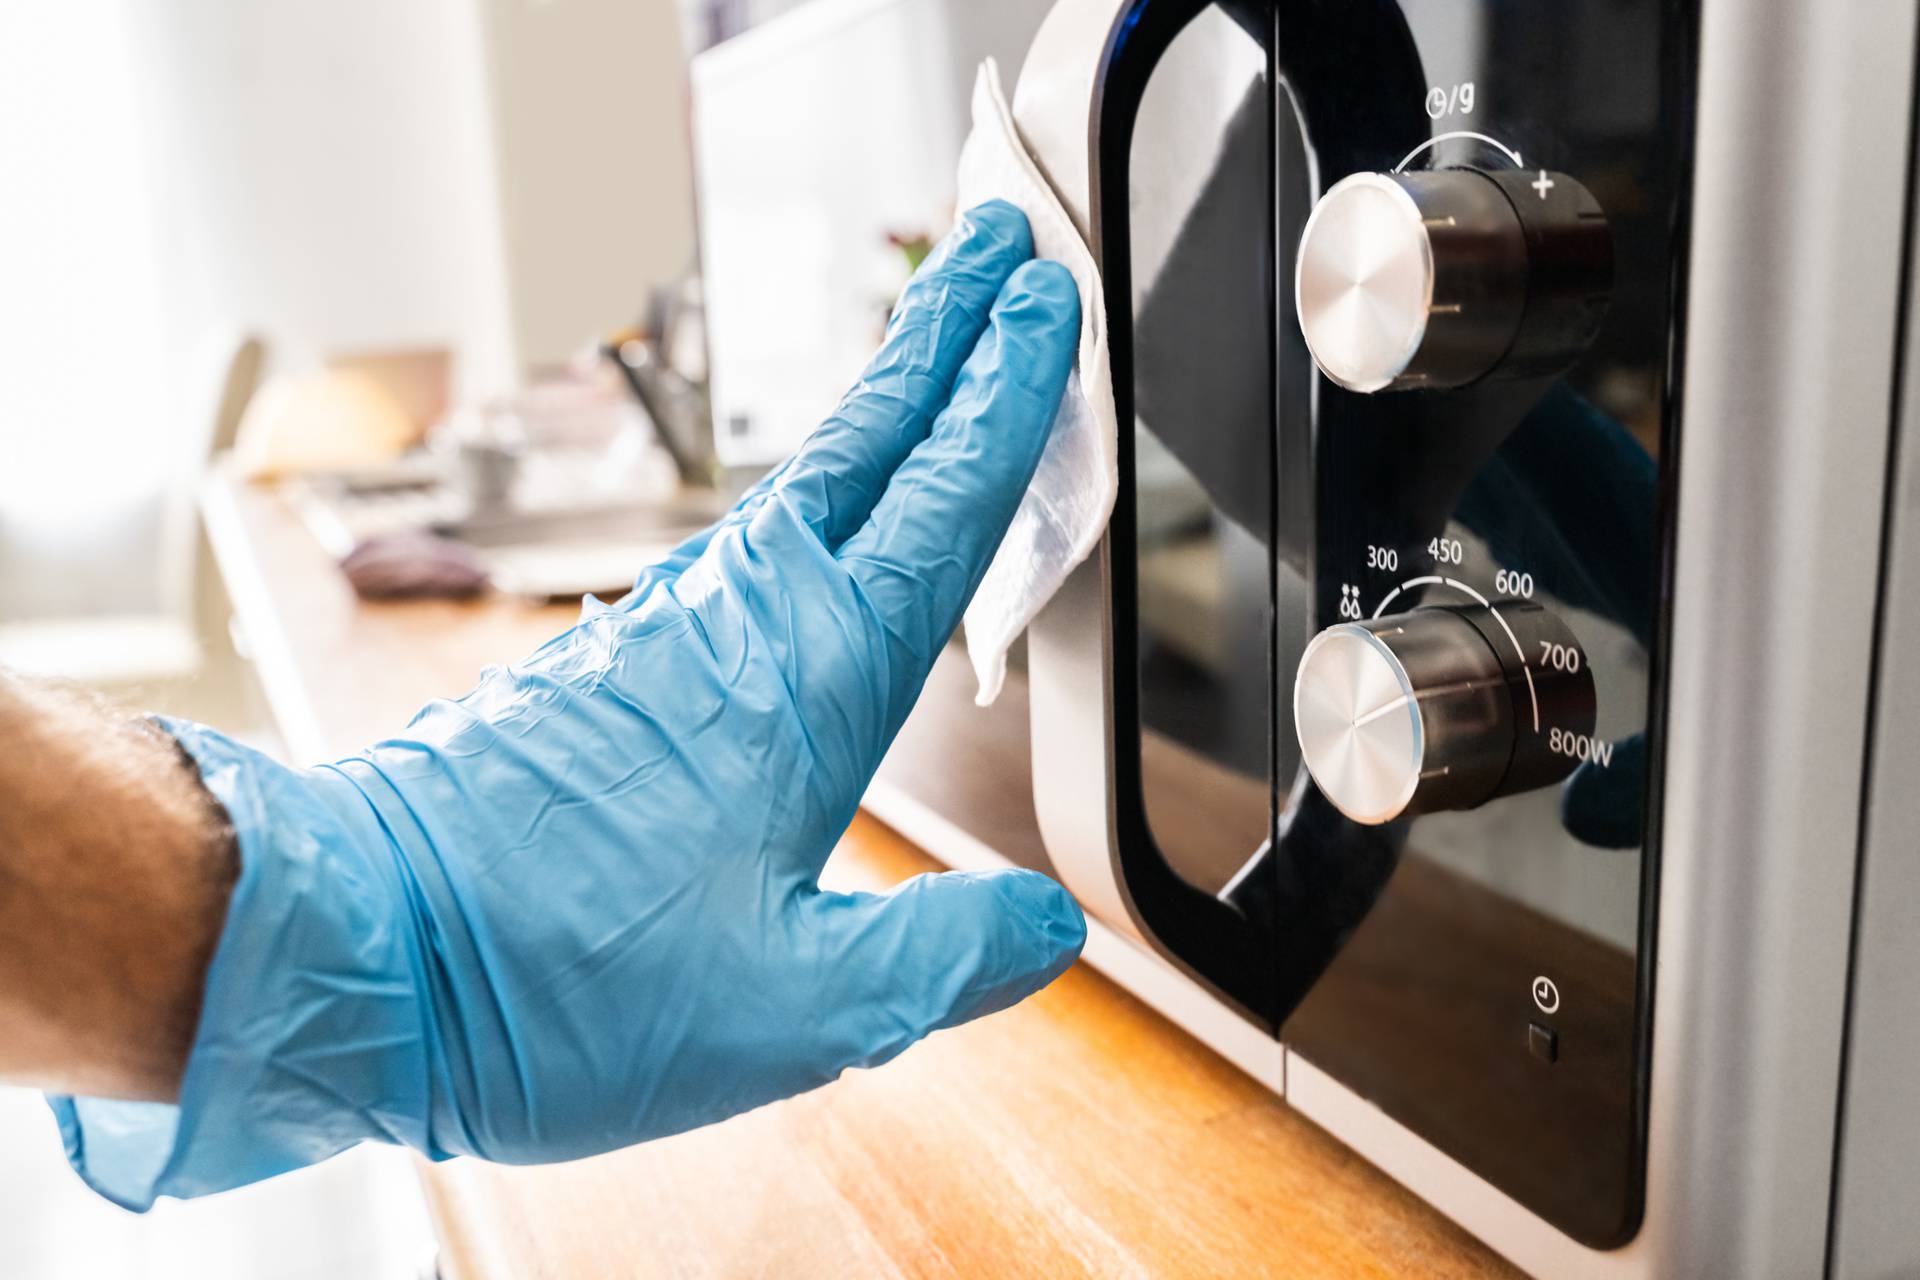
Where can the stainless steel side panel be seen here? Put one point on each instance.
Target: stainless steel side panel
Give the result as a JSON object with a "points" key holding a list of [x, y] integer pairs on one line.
{"points": [[1876, 1230], [1069, 656], [1069, 645], [1797, 229]]}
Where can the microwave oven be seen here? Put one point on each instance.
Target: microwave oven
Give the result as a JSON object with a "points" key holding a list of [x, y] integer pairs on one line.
{"points": [[1485, 719]]}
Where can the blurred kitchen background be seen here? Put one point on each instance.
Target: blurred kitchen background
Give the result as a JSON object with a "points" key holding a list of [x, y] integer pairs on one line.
{"points": [[500, 294]]}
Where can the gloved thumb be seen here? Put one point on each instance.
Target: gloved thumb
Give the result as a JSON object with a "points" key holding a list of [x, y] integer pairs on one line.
{"points": [[937, 951]]}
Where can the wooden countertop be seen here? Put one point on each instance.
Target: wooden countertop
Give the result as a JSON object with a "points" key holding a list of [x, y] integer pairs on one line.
{"points": [[1077, 1134]]}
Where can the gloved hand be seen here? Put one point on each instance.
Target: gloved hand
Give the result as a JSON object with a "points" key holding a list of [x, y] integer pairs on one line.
{"points": [[578, 907]]}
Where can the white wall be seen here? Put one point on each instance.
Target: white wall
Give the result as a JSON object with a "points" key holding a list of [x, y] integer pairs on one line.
{"points": [[325, 173], [820, 136], [589, 113], [508, 178], [79, 314]]}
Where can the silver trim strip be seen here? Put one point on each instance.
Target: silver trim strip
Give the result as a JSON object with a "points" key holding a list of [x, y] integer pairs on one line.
{"points": [[1069, 645], [1798, 222], [1875, 1231], [1509, 1227], [1070, 691]]}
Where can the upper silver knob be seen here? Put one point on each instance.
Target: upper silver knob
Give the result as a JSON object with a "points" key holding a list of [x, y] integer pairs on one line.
{"points": [[1364, 283], [1441, 277]]}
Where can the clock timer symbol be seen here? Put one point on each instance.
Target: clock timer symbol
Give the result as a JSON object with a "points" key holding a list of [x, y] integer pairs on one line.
{"points": [[1546, 995]]}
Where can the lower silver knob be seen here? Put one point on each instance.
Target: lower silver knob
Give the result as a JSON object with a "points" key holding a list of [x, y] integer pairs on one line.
{"points": [[1434, 709]]}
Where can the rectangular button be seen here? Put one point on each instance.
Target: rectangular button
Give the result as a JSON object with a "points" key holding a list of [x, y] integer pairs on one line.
{"points": [[1542, 1042]]}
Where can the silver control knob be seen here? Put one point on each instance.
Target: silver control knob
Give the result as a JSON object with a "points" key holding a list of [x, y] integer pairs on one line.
{"points": [[1436, 709], [1442, 277]]}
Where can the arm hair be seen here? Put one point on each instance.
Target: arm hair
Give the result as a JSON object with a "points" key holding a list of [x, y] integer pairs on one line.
{"points": [[115, 870]]}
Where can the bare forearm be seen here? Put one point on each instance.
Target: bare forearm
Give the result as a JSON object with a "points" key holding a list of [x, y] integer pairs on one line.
{"points": [[115, 869]]}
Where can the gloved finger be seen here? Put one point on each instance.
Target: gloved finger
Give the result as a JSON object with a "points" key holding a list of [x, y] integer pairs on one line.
{"points": [[919, 559], [836, 476], [840, 472], [937, 951]]}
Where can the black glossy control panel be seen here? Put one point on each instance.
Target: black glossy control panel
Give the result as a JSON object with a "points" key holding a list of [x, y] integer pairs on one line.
{"points": [[1481, 971]]}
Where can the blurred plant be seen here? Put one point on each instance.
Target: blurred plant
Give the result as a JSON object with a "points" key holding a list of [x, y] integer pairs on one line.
{"points": [[915, 247]]}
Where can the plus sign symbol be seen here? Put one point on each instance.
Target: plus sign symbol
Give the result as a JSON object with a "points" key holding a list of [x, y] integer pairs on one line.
{"points": [[1542, 184]]}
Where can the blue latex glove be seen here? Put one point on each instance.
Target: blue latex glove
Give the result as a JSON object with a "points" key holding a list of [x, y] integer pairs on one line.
{"points": [[579, 907]]}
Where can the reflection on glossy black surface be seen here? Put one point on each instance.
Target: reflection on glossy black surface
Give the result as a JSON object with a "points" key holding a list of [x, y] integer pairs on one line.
{"points": [[1203, 451], [1572, 492], [1411, 949]]}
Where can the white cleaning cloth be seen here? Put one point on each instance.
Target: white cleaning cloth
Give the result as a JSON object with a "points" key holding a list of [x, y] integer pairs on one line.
{"points": [[1065, 509]]}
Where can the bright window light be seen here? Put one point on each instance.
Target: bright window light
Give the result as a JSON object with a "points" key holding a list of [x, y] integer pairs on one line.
{"points": [[84, 424]]}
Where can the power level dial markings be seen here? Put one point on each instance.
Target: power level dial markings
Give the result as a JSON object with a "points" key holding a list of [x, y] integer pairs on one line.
{"points": [[1526, 668]]}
